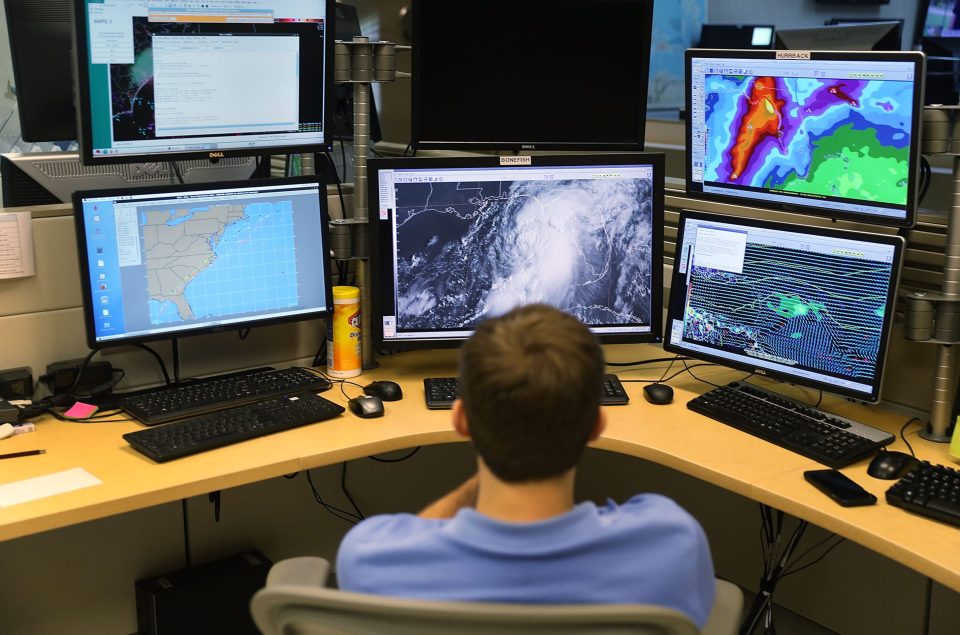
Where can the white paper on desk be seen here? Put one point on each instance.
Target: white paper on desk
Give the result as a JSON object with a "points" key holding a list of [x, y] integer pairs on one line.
{"points": [[47, 485], [16, 245]]}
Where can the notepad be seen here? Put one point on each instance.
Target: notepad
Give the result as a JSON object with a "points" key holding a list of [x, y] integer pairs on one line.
{"points": [[47, 485]]}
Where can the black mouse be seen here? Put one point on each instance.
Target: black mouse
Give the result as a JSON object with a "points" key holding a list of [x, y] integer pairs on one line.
{"points": [[366, 406], [659, 394], [386, 390], [891, 465]]}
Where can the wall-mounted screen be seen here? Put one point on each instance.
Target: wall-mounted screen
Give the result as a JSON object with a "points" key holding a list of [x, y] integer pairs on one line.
{"points": [[198, 79], [827, 133]]}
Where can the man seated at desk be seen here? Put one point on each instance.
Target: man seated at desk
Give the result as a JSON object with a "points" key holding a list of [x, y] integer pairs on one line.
{"points": [[530, 384]]}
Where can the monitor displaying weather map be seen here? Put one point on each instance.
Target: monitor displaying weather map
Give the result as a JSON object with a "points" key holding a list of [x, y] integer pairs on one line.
{"points": [[467, 238], [832, 134], [172, 261], [809, 305], [201, 79]]}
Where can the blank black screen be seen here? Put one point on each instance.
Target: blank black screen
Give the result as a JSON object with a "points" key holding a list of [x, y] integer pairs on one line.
{"points": [[514, 73]]}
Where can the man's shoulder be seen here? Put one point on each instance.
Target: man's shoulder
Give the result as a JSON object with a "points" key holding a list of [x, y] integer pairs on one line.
{"points": [[650, 509], [393, 525]]}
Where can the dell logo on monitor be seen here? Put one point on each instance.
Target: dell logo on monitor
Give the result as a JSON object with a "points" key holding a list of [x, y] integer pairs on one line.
{"points": [[216, 155], [759, 371]]}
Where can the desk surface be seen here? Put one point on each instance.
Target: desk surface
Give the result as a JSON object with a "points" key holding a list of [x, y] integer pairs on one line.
{"points": [[669, 435]]}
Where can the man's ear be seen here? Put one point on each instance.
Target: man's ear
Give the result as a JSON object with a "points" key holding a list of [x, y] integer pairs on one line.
{"points": [[599, 426], [460, 419]]}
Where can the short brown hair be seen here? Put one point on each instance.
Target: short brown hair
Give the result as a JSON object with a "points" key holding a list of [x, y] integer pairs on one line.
{"points": [[531, 382]]}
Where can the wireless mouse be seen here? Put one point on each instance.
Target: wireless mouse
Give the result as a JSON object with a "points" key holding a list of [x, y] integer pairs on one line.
{"points": [[658, 394], [366, 406], [891, 465]]}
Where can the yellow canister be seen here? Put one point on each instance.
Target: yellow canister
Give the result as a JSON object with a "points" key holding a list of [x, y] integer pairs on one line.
{"points": [[344, 356]]}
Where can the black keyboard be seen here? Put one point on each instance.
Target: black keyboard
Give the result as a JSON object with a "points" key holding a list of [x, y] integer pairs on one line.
{"points": [[224, 427], [826, 438], [929, 490], [167, 403], [440, 392]]}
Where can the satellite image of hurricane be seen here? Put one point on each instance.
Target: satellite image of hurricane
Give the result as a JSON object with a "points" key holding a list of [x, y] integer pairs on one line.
{"points": [[469, 250], [841, 138]]}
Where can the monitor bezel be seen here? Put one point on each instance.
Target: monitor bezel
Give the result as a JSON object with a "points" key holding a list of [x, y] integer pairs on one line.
{"points": [[418, 142], [81, 75], [382, 276], [912, 203], [86, 287], [677, 296]]}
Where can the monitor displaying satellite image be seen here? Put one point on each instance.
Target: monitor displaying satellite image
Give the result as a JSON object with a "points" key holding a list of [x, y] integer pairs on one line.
{"points": [[838, 137], [470, 243]]}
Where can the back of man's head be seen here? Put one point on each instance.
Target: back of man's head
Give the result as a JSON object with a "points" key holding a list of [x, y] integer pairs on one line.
{"points": [[531, 382]]}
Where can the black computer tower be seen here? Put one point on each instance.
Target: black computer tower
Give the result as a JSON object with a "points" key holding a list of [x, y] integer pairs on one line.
{"points": [[205, 599]]}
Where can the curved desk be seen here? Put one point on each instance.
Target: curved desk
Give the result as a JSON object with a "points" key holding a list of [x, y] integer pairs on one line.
{"points": [[671, 435]]}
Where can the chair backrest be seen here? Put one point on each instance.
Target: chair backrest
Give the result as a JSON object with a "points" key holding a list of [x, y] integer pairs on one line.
{"points": [[295, 603], [293, 610]]}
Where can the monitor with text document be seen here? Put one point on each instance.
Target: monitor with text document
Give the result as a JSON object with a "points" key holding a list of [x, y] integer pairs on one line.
{"points": [[808, 305], [165, 262], [459, 239], [832, 134], [196, 79]]}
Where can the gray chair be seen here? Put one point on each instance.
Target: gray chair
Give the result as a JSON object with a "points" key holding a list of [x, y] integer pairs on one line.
{"points": [[295, 602]]}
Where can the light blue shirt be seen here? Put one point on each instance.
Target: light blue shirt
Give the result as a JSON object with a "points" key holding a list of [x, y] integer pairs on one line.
{"points": [[648, 551]]}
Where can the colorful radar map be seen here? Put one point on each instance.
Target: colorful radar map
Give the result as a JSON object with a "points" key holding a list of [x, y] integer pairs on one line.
{"points": [[823, 137]]}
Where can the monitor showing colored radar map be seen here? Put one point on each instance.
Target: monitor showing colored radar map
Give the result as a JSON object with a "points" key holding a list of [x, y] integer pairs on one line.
{"points": [[165, 262], [809, 305], [832, 134], [460, 239]]}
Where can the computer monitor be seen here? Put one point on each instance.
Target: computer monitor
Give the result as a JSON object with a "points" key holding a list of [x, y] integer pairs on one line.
{"points": [[868, 36], [459, 239], [530, 74], [166, 262], [808, 305], [938, 18], [827, 133], [200, 80], [736, 36], [943, 69], [892, 41], [40, 33]]}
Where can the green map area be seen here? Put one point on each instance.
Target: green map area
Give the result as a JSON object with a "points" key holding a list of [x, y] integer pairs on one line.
{"points": [[854, 164]]}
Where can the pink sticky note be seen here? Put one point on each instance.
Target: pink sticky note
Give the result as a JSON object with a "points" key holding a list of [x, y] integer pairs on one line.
{"points": [[80, 410]]}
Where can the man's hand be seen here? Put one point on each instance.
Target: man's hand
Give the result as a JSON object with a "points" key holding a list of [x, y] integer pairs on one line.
{"points": [[463, 496]]}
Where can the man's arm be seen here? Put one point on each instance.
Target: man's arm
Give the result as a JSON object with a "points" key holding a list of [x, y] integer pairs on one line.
{"points": [[463, 496]]}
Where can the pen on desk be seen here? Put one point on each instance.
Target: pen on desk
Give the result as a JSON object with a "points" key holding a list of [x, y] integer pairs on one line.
{"points": [[13, 455]]}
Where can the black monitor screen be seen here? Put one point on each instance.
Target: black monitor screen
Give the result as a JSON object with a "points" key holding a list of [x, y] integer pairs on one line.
{"points": [[164, 262], [199, 79], [862, 36], [530, 74], [828, 133], [457, 240], [809, 305]]}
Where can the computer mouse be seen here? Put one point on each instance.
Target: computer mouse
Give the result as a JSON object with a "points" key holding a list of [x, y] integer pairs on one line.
{"points": [[366, 406], [386, 390], [891, 465], [659, 394]]}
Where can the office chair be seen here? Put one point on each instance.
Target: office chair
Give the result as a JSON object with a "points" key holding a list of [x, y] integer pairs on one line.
{"points": [[295, 602]]}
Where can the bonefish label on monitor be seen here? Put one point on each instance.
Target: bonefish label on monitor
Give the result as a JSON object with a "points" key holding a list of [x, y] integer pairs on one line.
{"points": [[515, 161]]}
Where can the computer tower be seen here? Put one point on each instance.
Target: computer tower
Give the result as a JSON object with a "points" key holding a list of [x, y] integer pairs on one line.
{"points": [[205, 599]]}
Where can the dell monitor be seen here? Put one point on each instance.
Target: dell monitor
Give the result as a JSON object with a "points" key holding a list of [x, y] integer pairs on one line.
{"points": [[530, 74], [938, 18], [736, 36], [460, 239], [832, 134], [866, 36], [807, 305], [166, 262], [40, 32], [202, 80]]}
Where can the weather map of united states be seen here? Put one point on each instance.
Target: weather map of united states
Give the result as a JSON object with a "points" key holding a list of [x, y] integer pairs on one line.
{"points": [[843, 138]]}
